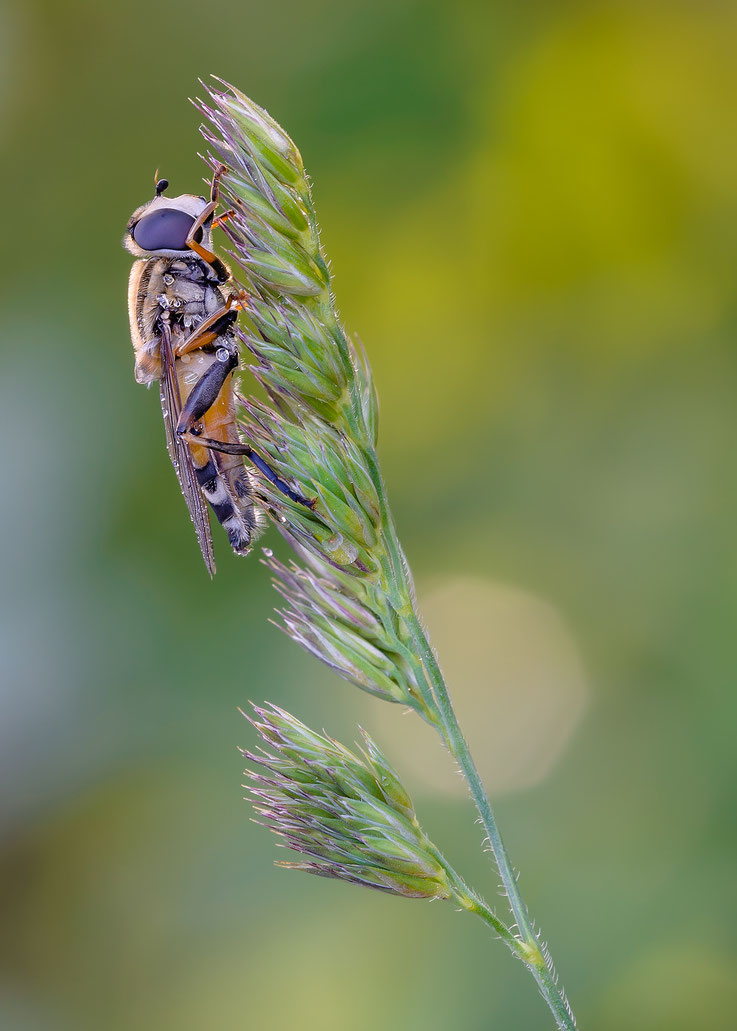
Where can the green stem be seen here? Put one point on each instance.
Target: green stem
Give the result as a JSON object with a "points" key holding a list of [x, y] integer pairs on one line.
{"points": [[540, 968]]}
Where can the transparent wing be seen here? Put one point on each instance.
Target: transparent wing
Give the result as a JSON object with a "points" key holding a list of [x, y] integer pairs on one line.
{"points": [[179, 453]]}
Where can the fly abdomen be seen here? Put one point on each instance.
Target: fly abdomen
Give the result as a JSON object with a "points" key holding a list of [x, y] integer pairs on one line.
{"points": [[227, 510]]}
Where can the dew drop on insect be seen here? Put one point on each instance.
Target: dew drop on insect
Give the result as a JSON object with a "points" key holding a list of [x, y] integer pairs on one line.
{"points": [[268, 553], [222, 354]]}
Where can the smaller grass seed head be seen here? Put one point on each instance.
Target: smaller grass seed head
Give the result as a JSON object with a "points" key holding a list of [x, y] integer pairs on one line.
{"points": [[348, 815]]}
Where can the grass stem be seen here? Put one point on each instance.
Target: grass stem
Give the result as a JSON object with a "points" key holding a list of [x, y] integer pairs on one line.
{"points": [[536, 958]]}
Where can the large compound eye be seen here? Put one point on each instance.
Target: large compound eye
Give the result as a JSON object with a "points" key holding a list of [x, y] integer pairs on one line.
{"points": [[165, 229]]}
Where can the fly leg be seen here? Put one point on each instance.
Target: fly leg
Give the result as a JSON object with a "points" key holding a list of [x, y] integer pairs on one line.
{"points": [[223, 218], [205, 391], [207, 212], [227, 448], [213, 326], [201, 398]]}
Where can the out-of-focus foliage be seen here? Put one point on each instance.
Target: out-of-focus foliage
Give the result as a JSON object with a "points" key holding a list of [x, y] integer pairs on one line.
{"points": [[531, 213]]}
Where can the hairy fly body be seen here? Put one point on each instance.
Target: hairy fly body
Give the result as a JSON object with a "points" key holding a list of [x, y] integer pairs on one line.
{"points": [[181, 322]]}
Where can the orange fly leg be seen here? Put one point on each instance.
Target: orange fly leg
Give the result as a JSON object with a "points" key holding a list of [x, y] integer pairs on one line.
{"points": [[221, 219], [207, 212], [213, 326]]}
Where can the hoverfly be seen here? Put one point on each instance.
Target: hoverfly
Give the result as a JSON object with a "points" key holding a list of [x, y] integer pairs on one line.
{"points": [[182, 329]]}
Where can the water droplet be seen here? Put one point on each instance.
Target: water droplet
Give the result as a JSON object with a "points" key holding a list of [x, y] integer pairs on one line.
{"points": [[268, 553]]}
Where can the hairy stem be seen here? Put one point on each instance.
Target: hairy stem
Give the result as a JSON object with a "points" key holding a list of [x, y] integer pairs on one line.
{"points": [[538, 963], [550, 991]]}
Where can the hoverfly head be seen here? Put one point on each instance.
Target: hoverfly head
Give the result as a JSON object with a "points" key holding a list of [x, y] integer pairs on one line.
{"points": [[162, 226]]}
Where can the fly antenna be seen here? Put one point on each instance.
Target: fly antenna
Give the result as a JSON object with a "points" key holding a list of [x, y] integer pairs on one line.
{"points": [[160, 184]]}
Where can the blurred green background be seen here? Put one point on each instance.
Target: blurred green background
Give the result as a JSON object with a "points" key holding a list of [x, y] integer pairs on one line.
{"points": [[530, 210]]}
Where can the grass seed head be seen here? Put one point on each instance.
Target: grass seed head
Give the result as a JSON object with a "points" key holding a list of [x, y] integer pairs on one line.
{"points": [[347, 814]]}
